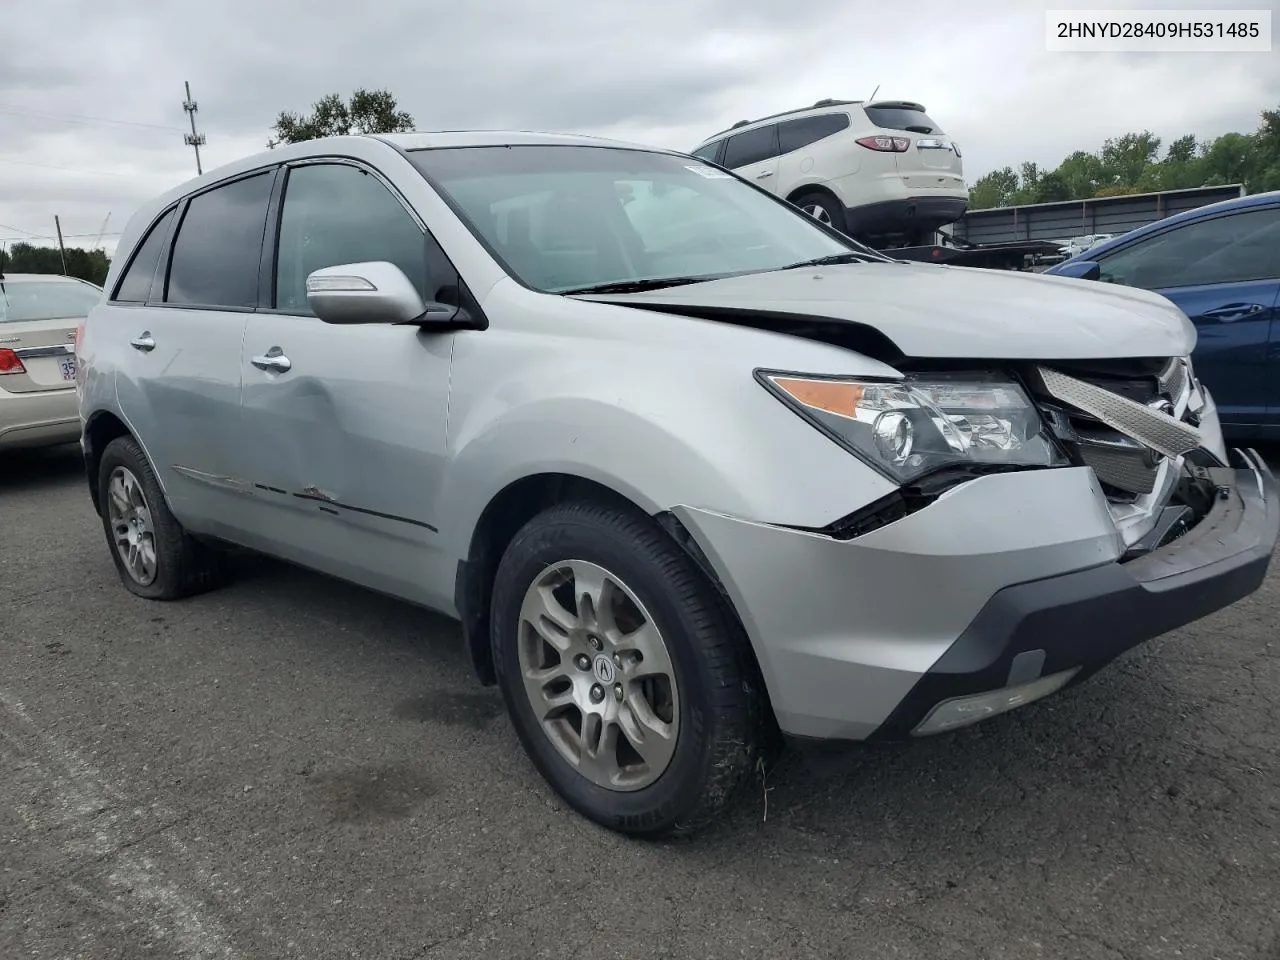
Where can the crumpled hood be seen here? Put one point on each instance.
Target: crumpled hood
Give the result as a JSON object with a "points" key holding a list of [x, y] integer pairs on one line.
{"points": [[965, 312]]}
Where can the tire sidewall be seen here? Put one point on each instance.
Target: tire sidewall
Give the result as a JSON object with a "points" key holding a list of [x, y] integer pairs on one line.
{"points": [[680, 785], [833, 209]]}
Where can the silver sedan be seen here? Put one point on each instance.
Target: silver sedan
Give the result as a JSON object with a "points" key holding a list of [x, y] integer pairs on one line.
{"points": [[39, 315]]}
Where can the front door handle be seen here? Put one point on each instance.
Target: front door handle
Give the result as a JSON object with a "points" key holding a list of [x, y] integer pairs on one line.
{"points": [[1231, 312], [273, 359], [766, 173], [143, 343]]}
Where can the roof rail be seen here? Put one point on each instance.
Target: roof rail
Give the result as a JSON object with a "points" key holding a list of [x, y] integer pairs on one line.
{"points": [[828, 102]]}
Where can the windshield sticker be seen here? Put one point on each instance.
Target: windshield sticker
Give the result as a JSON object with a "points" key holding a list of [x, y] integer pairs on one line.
{"points": [[711, 173]]}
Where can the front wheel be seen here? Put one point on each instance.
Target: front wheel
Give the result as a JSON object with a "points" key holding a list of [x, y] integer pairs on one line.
{"points": [[627, 683]]}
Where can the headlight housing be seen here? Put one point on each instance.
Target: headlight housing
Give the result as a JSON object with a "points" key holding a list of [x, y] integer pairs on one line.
{"points": [[923, 423]]}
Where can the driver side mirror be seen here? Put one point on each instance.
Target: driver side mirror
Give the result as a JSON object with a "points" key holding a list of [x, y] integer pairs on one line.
{"points": [[374, 292], [1082, 270]]}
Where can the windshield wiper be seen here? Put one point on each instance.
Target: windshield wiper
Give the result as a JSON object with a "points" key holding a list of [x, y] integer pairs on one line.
{"points": [[834, 258], [637, 286]]}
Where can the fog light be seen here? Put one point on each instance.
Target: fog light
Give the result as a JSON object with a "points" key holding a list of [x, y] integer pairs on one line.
{"points": [[962, 711]]}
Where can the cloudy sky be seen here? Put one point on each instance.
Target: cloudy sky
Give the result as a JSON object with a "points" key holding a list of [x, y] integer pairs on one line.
{"points": [[91, 118]]}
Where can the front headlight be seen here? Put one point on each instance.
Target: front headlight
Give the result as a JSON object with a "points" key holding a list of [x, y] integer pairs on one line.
{"points": [[923, 423]]}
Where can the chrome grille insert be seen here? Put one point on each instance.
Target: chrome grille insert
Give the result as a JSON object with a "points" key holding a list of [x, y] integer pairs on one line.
{"points": [[1174, 381], [1119, 461], [1151, 427]]}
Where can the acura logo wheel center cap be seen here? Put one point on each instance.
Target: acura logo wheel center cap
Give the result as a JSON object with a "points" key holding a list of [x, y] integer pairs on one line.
{"points": [[604, 669]]}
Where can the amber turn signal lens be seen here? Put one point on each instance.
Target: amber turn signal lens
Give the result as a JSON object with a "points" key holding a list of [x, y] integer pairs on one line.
{"points": [[832, 396]]}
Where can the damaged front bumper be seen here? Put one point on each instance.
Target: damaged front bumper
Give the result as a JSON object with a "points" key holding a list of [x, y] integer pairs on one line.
{"points": [[1002, 591]]}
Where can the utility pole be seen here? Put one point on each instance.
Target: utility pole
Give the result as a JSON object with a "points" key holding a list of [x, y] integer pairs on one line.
{"points": [[192, 139], [61, 249]]}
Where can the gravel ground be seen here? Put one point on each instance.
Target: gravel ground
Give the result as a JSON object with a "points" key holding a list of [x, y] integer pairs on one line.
{"points": [[294, 768]]}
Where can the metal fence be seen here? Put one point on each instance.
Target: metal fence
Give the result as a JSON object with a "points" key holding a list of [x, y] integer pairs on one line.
{"points": [[1075, 218]]}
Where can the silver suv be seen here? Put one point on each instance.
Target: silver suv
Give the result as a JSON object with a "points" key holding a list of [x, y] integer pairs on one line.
{"points": [[689, 467]]}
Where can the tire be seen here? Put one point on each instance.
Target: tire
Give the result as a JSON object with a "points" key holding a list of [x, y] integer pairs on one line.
{"points": [[823, 208], [180, 565], [711, 693]]}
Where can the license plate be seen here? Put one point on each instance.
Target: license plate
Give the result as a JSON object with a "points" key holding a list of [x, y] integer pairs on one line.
{"points": [[68, 368]]}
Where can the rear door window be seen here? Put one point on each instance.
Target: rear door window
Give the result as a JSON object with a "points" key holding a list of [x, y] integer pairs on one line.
{"points": [[217, 250], [754, 146], [794, 134], [135, 285]]}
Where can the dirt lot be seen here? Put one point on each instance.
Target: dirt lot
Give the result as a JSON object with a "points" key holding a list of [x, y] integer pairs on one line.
{"points": [[294, 768]]}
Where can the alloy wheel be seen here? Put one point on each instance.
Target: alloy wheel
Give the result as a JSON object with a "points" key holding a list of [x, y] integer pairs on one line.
{"points": [[132, 530], [818, 212], [598, 675]]}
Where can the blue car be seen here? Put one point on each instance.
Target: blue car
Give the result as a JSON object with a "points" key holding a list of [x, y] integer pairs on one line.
{"points": [[1221, 265]]}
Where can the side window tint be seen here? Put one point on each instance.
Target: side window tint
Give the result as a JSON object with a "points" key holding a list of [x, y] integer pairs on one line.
{"points": [[753, 146], [708, 152], [135, 284], [794, 134], [218, 246], [1230, 249], [336, 213]]}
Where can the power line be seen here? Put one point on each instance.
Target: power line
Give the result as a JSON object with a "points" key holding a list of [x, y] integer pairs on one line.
{"points": [[83, 118], [54, 166], [49, 236], [10, 226]]}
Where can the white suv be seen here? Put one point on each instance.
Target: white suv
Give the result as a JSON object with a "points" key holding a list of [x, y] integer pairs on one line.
{"points": [[879, 171]]}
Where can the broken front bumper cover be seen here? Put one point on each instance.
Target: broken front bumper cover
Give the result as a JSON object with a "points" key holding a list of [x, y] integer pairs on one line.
{"points": [[1034, 638]]}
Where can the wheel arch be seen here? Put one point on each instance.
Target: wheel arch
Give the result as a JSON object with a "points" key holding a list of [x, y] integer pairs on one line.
{"points": [[510, 509], [99, 430], [813, 188]]}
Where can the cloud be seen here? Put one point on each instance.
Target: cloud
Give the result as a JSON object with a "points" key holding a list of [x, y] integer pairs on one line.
{"points": [[664, 72]]}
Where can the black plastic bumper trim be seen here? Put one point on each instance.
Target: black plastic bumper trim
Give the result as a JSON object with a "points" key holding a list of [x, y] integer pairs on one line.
{"points": [[1088, 618]]}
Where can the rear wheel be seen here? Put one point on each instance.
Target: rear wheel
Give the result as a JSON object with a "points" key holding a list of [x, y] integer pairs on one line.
{"points": [[822, 208], [154, 556], [626, 682]]}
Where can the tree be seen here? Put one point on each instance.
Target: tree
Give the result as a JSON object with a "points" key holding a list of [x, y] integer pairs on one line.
{"points": [[996, 189], [1051, 188], [1124, 159], [91, 265], [366, 111], [1132, 164], [1182, 150], [1264, 159]]}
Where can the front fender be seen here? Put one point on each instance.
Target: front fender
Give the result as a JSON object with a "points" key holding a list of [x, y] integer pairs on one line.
{"points": [[678, 437]]}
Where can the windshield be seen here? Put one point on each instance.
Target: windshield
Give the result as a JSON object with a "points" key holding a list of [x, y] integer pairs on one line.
{"points": [[562, 218], [27, 300]]}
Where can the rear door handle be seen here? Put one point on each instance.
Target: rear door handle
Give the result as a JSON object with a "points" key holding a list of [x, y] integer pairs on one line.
{"points": [[1231, 312], [766, 173], [273, 359], [143, 343]]}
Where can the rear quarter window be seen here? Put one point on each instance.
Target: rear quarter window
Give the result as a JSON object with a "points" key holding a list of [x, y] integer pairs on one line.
{"points": [[135, 285]]}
